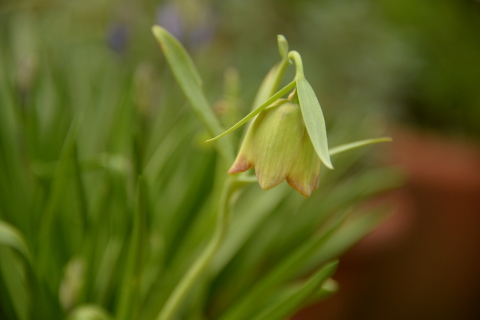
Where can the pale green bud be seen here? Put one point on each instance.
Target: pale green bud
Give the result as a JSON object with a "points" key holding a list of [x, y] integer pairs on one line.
{"points": [[278, 146]]}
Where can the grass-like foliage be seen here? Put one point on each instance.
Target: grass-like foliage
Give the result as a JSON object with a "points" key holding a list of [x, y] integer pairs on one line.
{"points": [[113, 207]]}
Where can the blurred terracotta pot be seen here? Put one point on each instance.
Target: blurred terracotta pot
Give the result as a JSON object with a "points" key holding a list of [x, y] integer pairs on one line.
{"points": [[423, 263]]}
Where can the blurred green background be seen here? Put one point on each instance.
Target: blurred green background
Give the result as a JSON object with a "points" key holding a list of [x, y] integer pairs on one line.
{"points": [[417, 62], [87, 103]]}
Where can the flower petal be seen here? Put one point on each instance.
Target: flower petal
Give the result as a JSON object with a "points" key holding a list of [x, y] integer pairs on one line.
{"points": [[244, 160], [277, 143], [305, 172]]}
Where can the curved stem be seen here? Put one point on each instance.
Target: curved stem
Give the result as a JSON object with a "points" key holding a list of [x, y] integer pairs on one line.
{"points": [[196, 270], [295, 56], [279, 76]]}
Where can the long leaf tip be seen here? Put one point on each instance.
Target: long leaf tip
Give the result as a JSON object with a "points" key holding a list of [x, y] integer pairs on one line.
{"points": [[325, 158], [357, 144], [332, 266], [157, 30], [211, 139], [328, 163]]}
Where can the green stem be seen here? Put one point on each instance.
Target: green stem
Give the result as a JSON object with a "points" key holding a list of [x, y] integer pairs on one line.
{"points": [[279, 76], [194, 273], [295, 56]]}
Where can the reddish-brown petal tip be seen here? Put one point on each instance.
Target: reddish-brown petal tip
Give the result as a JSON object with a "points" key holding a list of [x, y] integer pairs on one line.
{"points": [[240, 165], [306, 192], [305, 189]]}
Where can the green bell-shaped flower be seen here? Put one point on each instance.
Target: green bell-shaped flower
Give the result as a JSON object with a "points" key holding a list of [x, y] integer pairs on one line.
{"points": [[277, 144]]}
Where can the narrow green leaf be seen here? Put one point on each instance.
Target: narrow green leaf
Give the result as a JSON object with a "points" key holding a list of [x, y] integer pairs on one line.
{"points": [[314, 120], [189, 81], [13, 289], [166, 149], [328, 288], [289, 304], [129, 305], [247, 223], [11, 237], [178, 57], [82, 194], [46, 256], [283, 46], [352, 230], [356, 144], [284, 271], [259, 109]]}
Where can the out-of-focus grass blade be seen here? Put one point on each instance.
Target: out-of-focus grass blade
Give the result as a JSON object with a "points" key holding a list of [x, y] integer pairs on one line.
{"points": [[47, 256], [352, 191], [327, 289], [283, 272], [289, 304], [352, 230], [129, 302], [165, 149], [82, 194], [187, 77], [247, 223], [314, 120], [12, 281], [259, 109], [105, 280], [11, 237], [357, 144], [14, 186]]}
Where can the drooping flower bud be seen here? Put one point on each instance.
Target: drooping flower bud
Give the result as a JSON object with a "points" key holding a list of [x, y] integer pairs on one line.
{"points": [[278, 146]]}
